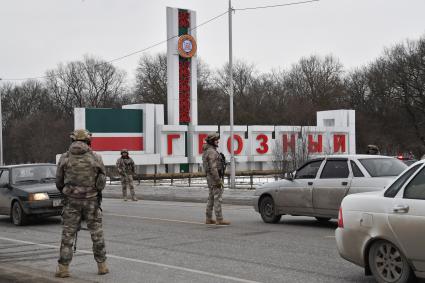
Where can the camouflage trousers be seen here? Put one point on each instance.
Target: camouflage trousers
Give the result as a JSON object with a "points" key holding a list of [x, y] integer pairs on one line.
{"points": [[214, 201], [127, 182], [89, 210]]}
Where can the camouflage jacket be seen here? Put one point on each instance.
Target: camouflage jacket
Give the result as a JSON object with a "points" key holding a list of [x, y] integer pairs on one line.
{"points": [[212, 164], [80, 173], [125, 166]]}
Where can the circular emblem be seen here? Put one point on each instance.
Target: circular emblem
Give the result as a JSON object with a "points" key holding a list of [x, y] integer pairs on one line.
{"points": [[187, 46]]}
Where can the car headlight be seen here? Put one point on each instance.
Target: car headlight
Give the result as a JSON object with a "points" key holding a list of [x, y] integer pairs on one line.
{"points": [[38, 196]]}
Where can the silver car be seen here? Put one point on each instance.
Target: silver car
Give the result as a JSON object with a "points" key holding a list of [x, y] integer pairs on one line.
{"points": [[318, 187], [384, 231]]}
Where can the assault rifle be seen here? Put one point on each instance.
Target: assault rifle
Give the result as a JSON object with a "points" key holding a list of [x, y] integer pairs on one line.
{"points": [[223, 166]]}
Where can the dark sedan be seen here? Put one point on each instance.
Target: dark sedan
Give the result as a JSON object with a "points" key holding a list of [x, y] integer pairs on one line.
{"points": [[29, 190]]}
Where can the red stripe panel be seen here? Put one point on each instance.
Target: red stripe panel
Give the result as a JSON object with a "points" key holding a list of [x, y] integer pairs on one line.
{"points": [[116, 143]]}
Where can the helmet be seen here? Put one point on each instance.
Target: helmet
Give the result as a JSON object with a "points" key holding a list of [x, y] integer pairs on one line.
{"points": [[80, 135], [212, 137], [124, 151], [372, 149], [372, 146]]}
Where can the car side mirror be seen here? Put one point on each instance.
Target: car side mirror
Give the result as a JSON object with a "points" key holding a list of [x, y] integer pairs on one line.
{"points": [[289, 176]]}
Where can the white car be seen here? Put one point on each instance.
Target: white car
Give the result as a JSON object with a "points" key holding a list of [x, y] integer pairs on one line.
{"points": [[318, 187], [384, 231]]}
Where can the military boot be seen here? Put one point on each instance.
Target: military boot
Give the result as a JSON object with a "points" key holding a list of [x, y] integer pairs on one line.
{"points": [[62, 271], [102, 268], [209, 221], [222, 222], [134, 198]]}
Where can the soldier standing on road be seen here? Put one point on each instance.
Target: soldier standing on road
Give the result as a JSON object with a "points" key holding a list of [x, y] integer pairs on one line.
{"points": [[125, 166], [81, 177], [213, 166]]}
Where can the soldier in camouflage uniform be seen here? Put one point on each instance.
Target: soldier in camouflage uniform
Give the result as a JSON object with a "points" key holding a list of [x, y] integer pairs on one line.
{"points": [[213, 166], [80, 177], [125, 166]]}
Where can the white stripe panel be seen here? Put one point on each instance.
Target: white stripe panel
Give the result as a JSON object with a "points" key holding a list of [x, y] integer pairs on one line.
{"points": [[79, 118], [113, 135]]}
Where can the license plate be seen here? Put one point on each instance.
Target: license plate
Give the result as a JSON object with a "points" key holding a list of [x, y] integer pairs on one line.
{"points": [[57, 202]]}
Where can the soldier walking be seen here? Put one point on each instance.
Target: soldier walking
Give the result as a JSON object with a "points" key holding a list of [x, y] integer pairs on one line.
{"points": [[81, 177], [214, 168], [125, 166]]}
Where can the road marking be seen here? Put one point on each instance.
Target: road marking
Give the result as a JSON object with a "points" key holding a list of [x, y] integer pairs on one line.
{"points": [[329, 236], [196, 271], [153, 218]]}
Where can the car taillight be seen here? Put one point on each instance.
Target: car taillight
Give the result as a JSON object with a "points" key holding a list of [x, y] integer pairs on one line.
{"points": [[340, 220]]}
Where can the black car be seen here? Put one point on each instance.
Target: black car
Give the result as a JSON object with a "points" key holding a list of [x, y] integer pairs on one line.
{"points": [[29, 190]]}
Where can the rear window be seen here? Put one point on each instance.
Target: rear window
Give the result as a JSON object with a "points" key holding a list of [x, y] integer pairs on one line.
{"points": [[382, 167], [398, 184]]}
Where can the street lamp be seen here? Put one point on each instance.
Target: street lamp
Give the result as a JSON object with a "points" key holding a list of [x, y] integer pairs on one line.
{"points": [[232, 154]]}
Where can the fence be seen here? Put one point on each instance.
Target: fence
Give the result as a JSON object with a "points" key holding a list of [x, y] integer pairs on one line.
{"points": [[244, 179]]}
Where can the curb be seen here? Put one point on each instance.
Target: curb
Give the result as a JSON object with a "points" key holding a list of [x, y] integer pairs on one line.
{"points": [[13, 273]]}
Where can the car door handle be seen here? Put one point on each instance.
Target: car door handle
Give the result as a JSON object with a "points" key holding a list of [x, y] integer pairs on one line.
{"points": [[344, 183], [310, 183], [401, 208]]}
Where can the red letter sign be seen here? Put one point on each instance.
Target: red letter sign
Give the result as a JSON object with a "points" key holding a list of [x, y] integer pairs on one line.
{"points": [[170, 139], [339, 143], [290, 144], [201, 141], [264, 148], [240, 144], [315, 146]]}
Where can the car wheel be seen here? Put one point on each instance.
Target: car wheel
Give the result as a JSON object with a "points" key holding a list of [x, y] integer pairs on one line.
{"points": [[268, 211], [323, 219], [18, 215], [388, 264]]}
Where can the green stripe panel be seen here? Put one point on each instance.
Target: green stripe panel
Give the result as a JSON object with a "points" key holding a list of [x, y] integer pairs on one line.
{"points": [[114, 120], [183, 31]]}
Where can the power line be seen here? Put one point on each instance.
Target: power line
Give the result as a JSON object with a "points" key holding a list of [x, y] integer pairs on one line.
{"points": [[274, 6], [130, 54], [166, 40]]}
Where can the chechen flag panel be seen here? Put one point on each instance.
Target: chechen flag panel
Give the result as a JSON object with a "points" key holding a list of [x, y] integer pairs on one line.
{"points": [[115, 129]]}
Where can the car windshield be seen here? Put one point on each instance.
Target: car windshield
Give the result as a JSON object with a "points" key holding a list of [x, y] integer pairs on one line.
{"points": [[382, 167], [28, 174]]}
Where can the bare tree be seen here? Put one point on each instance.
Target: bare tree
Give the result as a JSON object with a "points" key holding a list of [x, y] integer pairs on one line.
{"points": [[318, 79], [88, 83], [151, 79], [19, 101], [286, 161], [406, 74], [34, 130]]}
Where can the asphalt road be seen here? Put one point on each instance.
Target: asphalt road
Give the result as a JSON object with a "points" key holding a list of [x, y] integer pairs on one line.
{"points": [[151, 241]]}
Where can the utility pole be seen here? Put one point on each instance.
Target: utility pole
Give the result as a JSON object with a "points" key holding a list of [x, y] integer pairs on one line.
{"points": [[1, 133], [232, 154]]}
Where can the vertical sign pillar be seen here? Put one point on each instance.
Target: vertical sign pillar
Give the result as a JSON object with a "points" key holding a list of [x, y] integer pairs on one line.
{"points": [[182, 108], [172, 67]]}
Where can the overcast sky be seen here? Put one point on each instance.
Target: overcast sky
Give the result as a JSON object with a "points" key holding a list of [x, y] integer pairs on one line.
{"points": [[36, 35]]}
